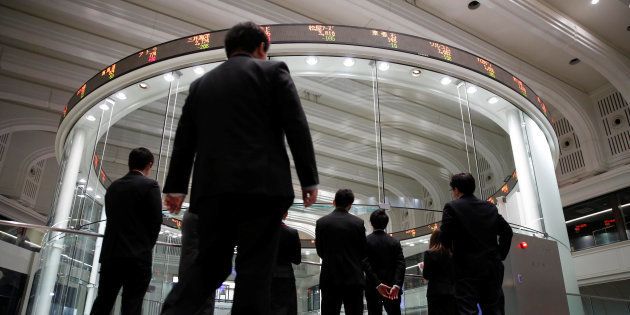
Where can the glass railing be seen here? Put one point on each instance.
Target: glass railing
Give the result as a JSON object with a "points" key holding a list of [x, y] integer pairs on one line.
{"points": [[75, 287], [599, 305]]}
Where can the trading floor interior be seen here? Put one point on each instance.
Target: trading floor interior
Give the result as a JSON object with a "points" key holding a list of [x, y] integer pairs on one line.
{"points": [[529, 96]]}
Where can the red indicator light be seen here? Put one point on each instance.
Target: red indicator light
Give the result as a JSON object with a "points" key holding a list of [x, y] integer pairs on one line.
{"points": [[523, 245]]}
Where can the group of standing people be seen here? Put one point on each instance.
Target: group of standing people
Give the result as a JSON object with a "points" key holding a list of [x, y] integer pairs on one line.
{"points": [[232, 130]]}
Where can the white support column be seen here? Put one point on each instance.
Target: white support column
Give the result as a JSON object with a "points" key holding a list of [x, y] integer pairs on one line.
{"points": [[91, 293], [529, 214], [551, 206], [48, 274]]}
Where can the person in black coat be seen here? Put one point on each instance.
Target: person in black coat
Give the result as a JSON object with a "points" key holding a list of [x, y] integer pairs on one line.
{"points": [[283, 290], [438, 269], [233, 128], [386, 274], [341, 244], [470, 228], [133, 206]]}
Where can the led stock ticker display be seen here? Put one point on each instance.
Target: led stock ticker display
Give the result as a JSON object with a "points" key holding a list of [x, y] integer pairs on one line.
{"points": [[316, 34]]}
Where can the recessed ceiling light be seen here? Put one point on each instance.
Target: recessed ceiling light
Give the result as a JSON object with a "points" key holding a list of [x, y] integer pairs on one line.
{"points": [[169, 77], [90, 118], [348, 62], [121, 96], [471, 89], [493, 100], [416, 72], [473, 5], [89, 188], [143, 85], [97, 196], [103, 106], [574, 61], [446, 81], [311, 60], [412, 244], [199, 70], [82, 180], [383, 66], [594, 1]]}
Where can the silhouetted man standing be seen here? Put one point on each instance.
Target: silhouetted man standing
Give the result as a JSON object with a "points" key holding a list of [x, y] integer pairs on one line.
{"points": [[470, 228], [233, 128], [341, 244], [387, 262], [133, 206]]}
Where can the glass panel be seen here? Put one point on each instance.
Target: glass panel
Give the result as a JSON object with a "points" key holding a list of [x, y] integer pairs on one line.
{"points": [[338, 97]]}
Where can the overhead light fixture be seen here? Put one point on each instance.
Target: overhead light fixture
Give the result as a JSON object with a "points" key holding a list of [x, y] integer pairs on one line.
{"points": [[594, 1], [143, 85], [412, 244], [446, 81], [471, 89], [574, 61], [383, 66], [199, 70], [89, 188], [416, 72], [169, 77], [493, 100], [121, 96], [588, 216], [82, 180], [473, 5], [348, 62], [90, 118], [103, 106], [311, 60], [97, 196]]}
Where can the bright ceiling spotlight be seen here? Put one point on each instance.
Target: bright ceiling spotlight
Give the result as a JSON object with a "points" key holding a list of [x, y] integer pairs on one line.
{"points": [[471, 89], [103, 106], [348, 62], [89, 188], [594, 1], [82, 180], [383, 66], [98, 197], [199, 70], [493, 100], [311, 60], [143, 85], [416, 72], [90, 118], [446, 81], [121, 96], [169, 77]]}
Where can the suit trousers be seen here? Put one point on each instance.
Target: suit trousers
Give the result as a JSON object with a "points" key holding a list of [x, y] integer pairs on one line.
{"points": [[283, 296], [442, 304], [132, 276], [483, 287], [252, 223], [350, 296], [376, 303]]}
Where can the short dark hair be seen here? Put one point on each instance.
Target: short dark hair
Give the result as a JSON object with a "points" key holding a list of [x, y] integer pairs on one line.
{"points": [[246, 37], [379, 219], [344, 198], [464, 182], [139, 158]]}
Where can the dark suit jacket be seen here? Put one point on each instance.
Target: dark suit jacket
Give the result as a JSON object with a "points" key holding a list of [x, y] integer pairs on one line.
{"points": [[289, 252], [470, 227], [385, 256], [133, 205], [341, 244], [438, 269], [233, 127]]}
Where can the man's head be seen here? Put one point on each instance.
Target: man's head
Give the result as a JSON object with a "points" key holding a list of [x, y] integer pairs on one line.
{"points": [[379, 219], [141, 159], [249, 38], [344, 199], [462, 184]]}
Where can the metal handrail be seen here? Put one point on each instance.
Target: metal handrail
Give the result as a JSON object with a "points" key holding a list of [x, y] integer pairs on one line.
{"points": [[603, 298]]}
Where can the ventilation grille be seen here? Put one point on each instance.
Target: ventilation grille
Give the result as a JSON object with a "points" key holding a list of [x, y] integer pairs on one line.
{"points": [[486, 176], [4, 147], [32, 181], [615, 115], [571, 158]]}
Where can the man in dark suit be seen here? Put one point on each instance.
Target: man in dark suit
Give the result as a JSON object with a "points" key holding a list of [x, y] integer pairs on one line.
{"points": [[133, 206], [341, 244], [385, 257], [470, 228], [283, 291], [233, 128]]}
